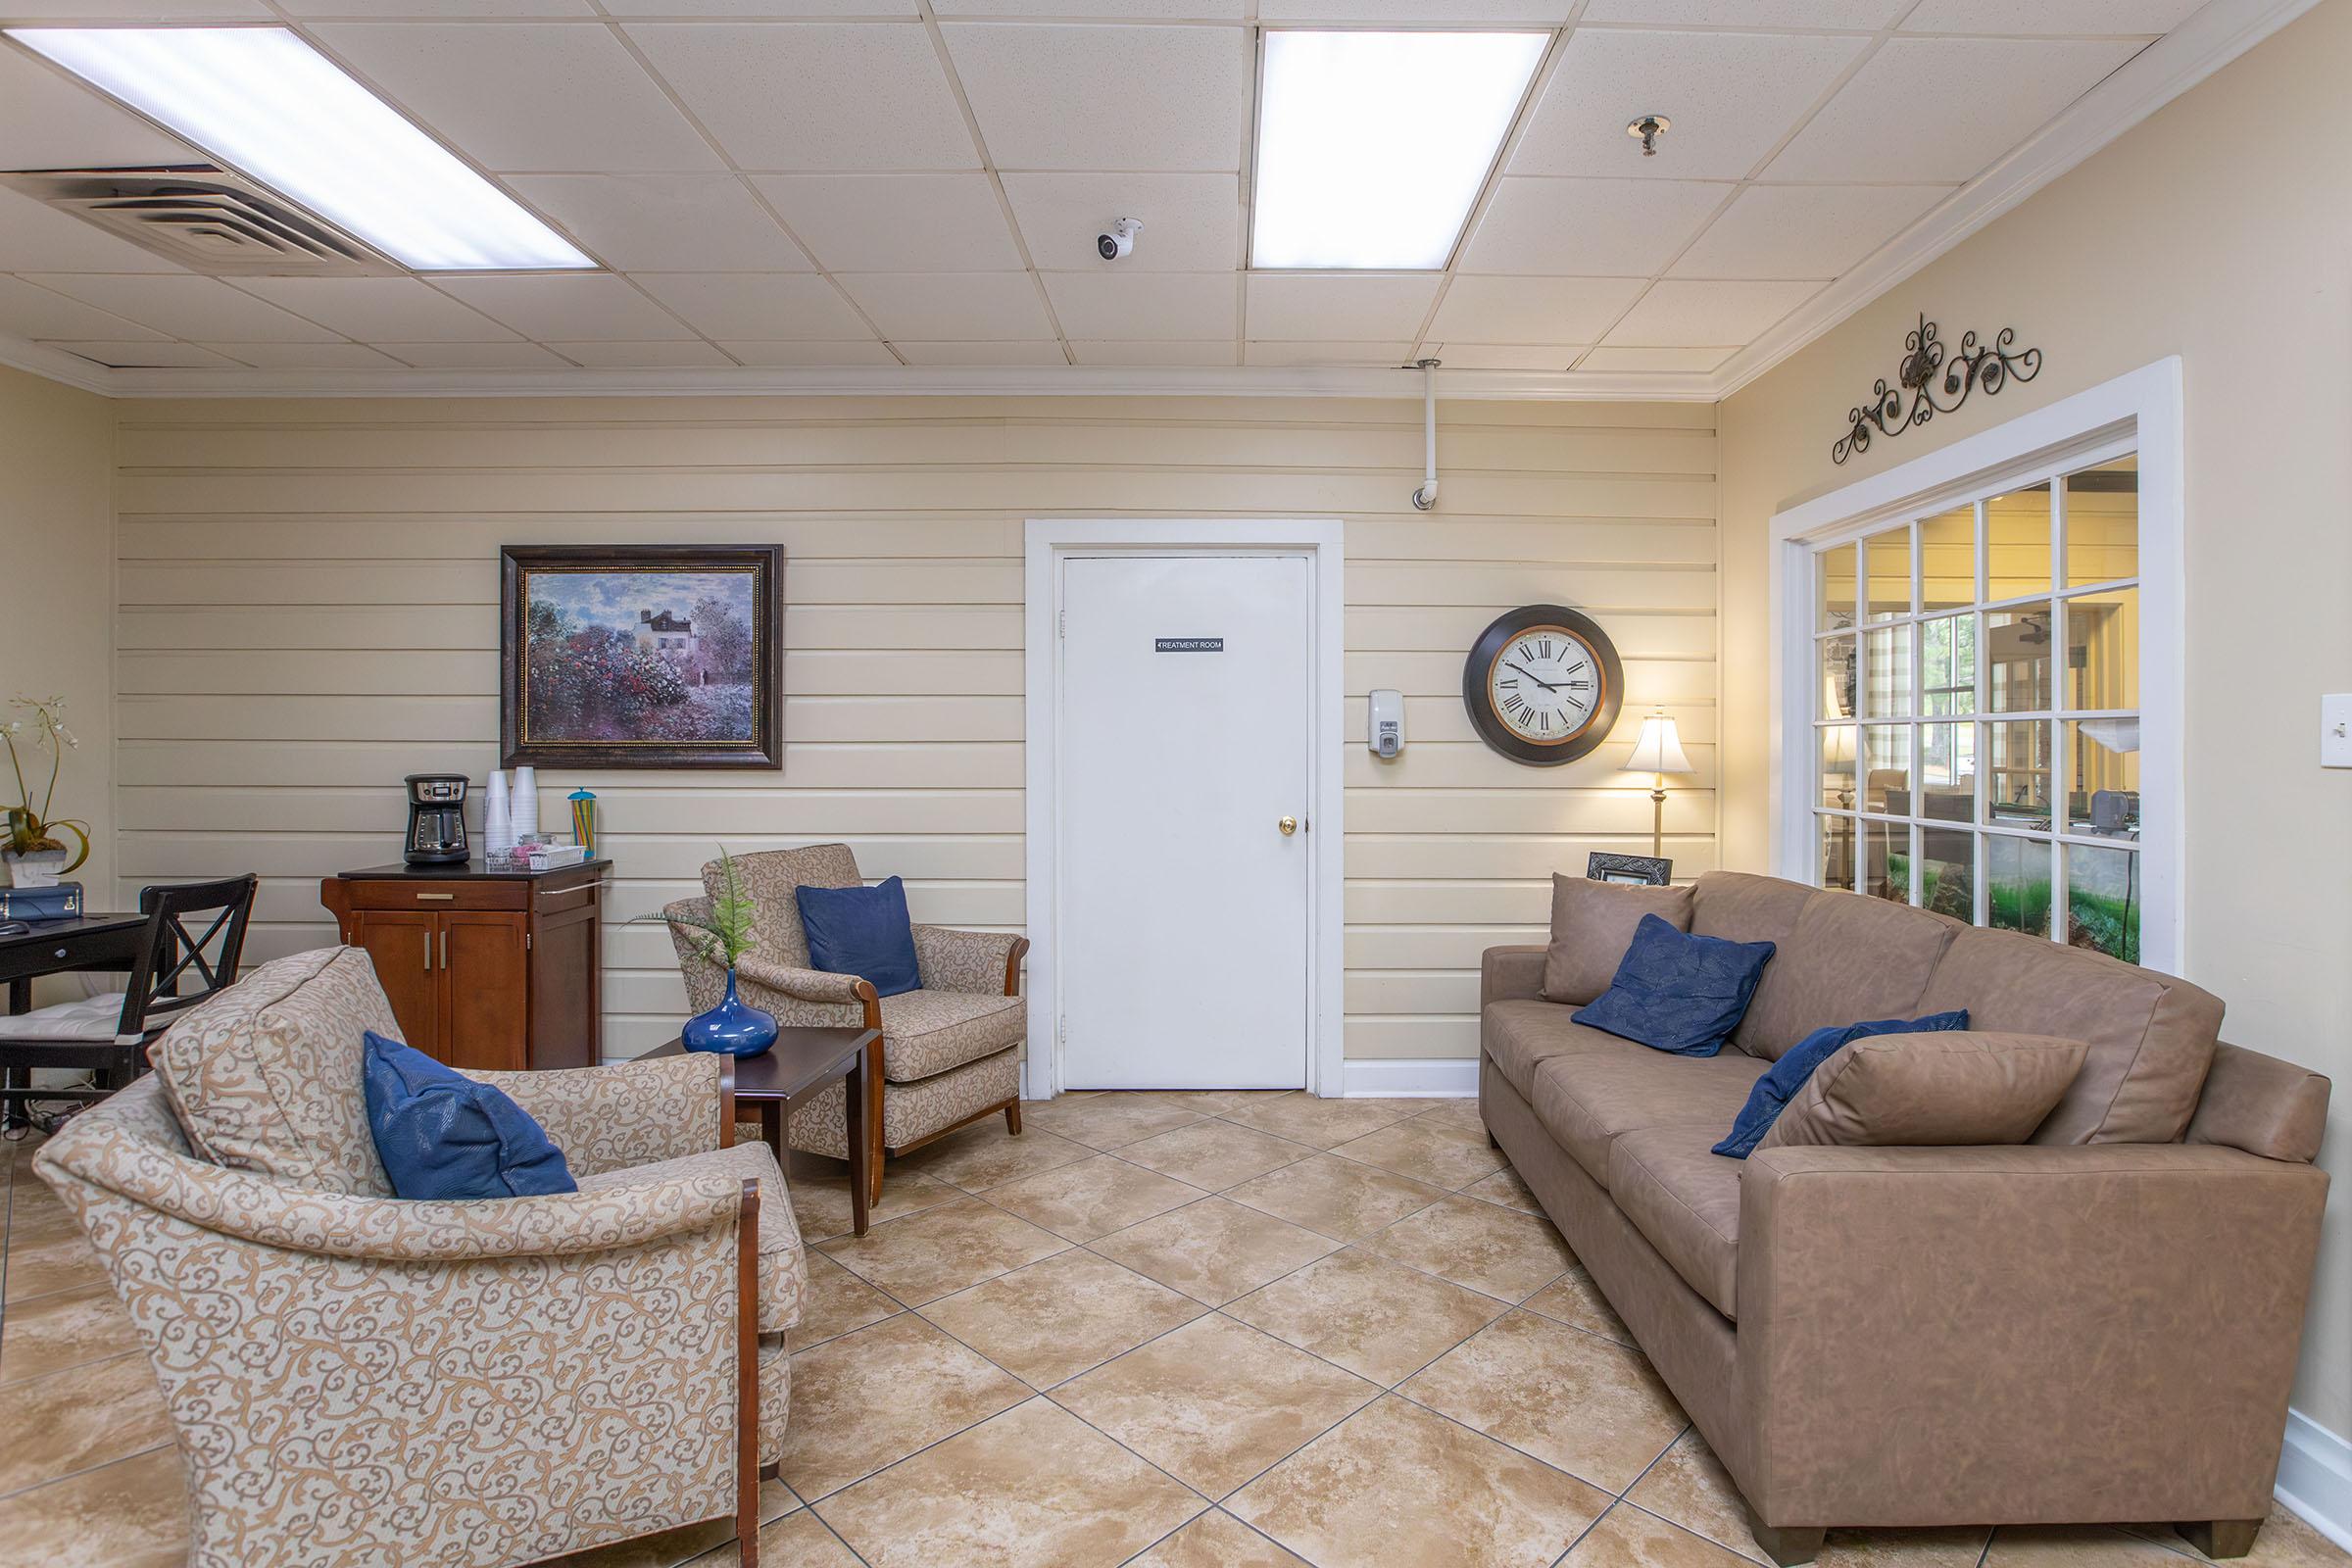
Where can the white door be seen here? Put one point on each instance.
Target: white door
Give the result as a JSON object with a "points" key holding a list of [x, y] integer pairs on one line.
{"points": [[1184, 735]]}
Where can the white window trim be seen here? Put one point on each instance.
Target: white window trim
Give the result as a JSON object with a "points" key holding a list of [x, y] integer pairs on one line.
{"points": [[2145, 406]]}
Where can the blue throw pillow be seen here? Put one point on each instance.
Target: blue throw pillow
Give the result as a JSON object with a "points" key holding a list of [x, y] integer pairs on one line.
{"points": [[1678, 991], [862, 931], [441, 1134], [1771, 1093]]}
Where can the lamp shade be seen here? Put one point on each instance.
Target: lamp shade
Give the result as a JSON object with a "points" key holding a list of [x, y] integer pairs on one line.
{"points": [[1659, 749]]}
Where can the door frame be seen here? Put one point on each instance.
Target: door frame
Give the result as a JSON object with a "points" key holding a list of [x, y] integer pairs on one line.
{"points": [[1045, 542]]}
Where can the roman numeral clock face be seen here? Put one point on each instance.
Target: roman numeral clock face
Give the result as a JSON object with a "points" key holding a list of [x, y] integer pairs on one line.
{"points": [[1542, 685]]}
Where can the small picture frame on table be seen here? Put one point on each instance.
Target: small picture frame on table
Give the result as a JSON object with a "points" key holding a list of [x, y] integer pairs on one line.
{"points": [[1633, 870]]}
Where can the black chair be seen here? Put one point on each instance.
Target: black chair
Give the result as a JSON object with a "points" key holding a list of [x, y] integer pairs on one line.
{"points": [[108, 1035]]}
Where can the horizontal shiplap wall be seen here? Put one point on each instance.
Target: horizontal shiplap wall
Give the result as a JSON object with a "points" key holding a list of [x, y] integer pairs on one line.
{"points": [[308, 598]]}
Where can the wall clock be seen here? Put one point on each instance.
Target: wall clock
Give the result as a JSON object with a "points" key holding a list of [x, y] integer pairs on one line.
{"points": [[1542, 685]]}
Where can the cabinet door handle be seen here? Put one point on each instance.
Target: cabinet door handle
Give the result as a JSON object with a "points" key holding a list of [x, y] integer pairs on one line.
{"points": [[421, 897], [445, 946], [429, 953]]}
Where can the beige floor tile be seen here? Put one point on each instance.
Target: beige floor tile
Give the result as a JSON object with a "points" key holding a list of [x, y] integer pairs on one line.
{"points": [[924, 1257], [1214, 1249], [1215, 1403], [1305, 1118], [1214, 1155], [68, 1328], [1368, 1313], [1217, 1540], [1462, 1113], [704, 1545], [836, 1302], [870, 1398], [822, 1203], [1397, 1485], [1961, 1547], [129, 1514], [1034, 1488], [1690, 1485], [1340, 1197], [1513, 1381], [1628, 1537], [1091, 1197], [1056, 1319], [775, 1501], [1438, 1153], [2077, 1546], [1109, 1120], [78, 1419], [1505, 1188], [1577, 1301], [985, 1155], [802, 1541], [2285, 1542], [1220, 1102], [47, 1251], [1483, 1246]]}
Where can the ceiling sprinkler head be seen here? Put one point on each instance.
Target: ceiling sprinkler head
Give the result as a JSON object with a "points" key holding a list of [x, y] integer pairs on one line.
{"points": [[1648, 128]]}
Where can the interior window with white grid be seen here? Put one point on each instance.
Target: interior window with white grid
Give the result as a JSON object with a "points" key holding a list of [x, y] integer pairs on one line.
{"points": [[1975, 723]]}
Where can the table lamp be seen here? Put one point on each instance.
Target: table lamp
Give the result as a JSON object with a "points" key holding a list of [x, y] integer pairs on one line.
{"points": [[1658, 752]]}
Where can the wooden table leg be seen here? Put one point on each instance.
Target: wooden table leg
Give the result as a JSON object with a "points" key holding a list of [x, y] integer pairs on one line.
{"points": [[771, 1128], [853, 1091]]}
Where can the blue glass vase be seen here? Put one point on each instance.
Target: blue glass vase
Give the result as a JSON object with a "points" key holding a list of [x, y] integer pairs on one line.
{"points": [[731, 1027]]}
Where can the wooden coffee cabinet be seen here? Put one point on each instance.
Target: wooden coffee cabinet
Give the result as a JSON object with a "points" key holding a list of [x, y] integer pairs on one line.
{"points": [[491, 970]]}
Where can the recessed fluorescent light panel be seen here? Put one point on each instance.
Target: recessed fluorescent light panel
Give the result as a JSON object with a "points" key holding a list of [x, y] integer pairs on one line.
{"points": [[1371, 146], [265, 103]]}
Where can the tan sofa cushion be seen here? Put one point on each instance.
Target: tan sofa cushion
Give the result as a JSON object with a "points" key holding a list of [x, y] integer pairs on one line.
{"points": [[1685, 1200], [783, 1267], [1592, 924], [266, 1075], [1588, 1101], [1846, 958], [927, 1032], [1522, 1036], [1739, 908], [2261, 1105], [2151, 1036], [1908, 1091]]}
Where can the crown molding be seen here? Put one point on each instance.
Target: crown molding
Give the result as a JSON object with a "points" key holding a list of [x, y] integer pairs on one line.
{"points": [[55, 364]]}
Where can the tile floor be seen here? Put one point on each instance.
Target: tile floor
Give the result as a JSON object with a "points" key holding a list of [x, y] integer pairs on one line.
{"points": [[1166, 1330]]}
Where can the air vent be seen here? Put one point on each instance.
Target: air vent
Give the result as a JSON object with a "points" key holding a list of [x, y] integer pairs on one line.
{"points": [[205, 219]]}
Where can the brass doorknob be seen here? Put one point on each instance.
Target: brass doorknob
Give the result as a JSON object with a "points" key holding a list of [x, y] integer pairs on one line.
{"points": [[1289, 825]]}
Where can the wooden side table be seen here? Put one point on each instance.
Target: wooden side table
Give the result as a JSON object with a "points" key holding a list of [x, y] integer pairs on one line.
{"points": [[794, 1071]]}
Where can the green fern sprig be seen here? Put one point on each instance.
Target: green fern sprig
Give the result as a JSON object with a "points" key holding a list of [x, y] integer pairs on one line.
{"points": [[730, 931]]}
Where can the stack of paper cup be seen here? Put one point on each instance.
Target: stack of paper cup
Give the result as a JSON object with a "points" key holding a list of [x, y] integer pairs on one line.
{"points": [[525, 807], [498, 823]]}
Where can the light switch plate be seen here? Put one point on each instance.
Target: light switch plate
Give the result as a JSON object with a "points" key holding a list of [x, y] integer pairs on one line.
{"points": [[2335, 730]]}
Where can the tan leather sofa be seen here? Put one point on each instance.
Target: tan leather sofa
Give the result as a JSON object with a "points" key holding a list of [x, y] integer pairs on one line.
{"points": [[2100, 1325]]}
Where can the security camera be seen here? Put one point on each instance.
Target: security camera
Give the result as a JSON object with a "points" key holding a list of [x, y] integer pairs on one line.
{"points": [[1119, 243]]}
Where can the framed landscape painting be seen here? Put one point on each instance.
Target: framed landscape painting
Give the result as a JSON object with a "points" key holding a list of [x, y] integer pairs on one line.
{"points": [[641, 655]]}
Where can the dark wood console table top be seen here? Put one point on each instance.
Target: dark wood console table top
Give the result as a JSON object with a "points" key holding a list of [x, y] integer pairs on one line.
{"points": [[780, 1080]]}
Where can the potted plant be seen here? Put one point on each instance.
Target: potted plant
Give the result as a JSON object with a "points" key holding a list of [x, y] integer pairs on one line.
{"points": [[725, 935], [32, 852]]}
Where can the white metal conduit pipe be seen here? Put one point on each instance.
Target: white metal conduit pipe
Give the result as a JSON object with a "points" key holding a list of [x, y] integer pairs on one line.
{"points": [[1426, 497]]}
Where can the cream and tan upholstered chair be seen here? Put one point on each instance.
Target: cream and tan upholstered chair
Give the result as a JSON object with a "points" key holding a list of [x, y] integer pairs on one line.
{"points": [[359, 1378], [951, 1051]]}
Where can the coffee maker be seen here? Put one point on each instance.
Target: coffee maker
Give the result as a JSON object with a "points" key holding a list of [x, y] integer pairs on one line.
{"points": [[436, 819]]}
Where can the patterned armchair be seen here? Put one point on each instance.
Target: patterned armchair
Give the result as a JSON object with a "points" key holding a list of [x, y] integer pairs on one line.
{"points": [[951, 1051], [355, 1378]]}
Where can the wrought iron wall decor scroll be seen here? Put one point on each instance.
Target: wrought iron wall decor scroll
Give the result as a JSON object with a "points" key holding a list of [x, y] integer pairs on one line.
{"points": [[1915, 397]]}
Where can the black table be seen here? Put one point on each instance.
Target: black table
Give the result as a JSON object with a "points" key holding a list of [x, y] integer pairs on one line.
{"points": [[787, 1076], [103, 941]]}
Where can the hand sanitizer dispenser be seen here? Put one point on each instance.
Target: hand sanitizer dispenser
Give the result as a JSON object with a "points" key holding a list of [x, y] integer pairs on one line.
{"points": [[1384, 723]]}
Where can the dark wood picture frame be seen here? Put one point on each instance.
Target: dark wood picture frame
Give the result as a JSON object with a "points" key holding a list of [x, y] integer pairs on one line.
{"points": [[765, 747], [1639, 871]]}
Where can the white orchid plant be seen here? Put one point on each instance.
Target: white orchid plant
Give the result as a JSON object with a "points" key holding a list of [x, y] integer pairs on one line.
{"points": [[37, 724]]}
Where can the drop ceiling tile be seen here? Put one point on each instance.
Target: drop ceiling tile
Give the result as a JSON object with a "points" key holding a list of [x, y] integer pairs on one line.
{"points": [[574, 307], [1804, 230], [950, 307], [1147, 305], [1732, 97], [1701, 359], [1920, 109], [757, 306], [26, 311], [515, 355], [35, 237], [1030, 353], [1678, 314], [373, 309], [896, 222], [305, 356], [1866, 15], [1355, 354], [1104, 97], [185, 306], [688, 356], [786, 8], [1191, 222], [790, 356], [150, 356], [1339, 305], [1503, 356], [2141, 17], [1465, 12], [167, 11], [1091, 352], [525, 97], [1533, 310], [664, 222], [1588, 228], [507, 10], [50, 121], [816, 95], [1185, 10]]}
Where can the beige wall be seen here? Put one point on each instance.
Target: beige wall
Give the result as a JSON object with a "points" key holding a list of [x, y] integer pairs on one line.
{"points": [[57, 591], [2220, 231], [309, 610]]}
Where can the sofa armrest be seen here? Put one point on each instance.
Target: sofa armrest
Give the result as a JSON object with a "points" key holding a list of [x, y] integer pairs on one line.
{"points": [[808, 995], [984, 964], [1963, 1335], [625, 1112], [1510, 974], [2261, 1105]]}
